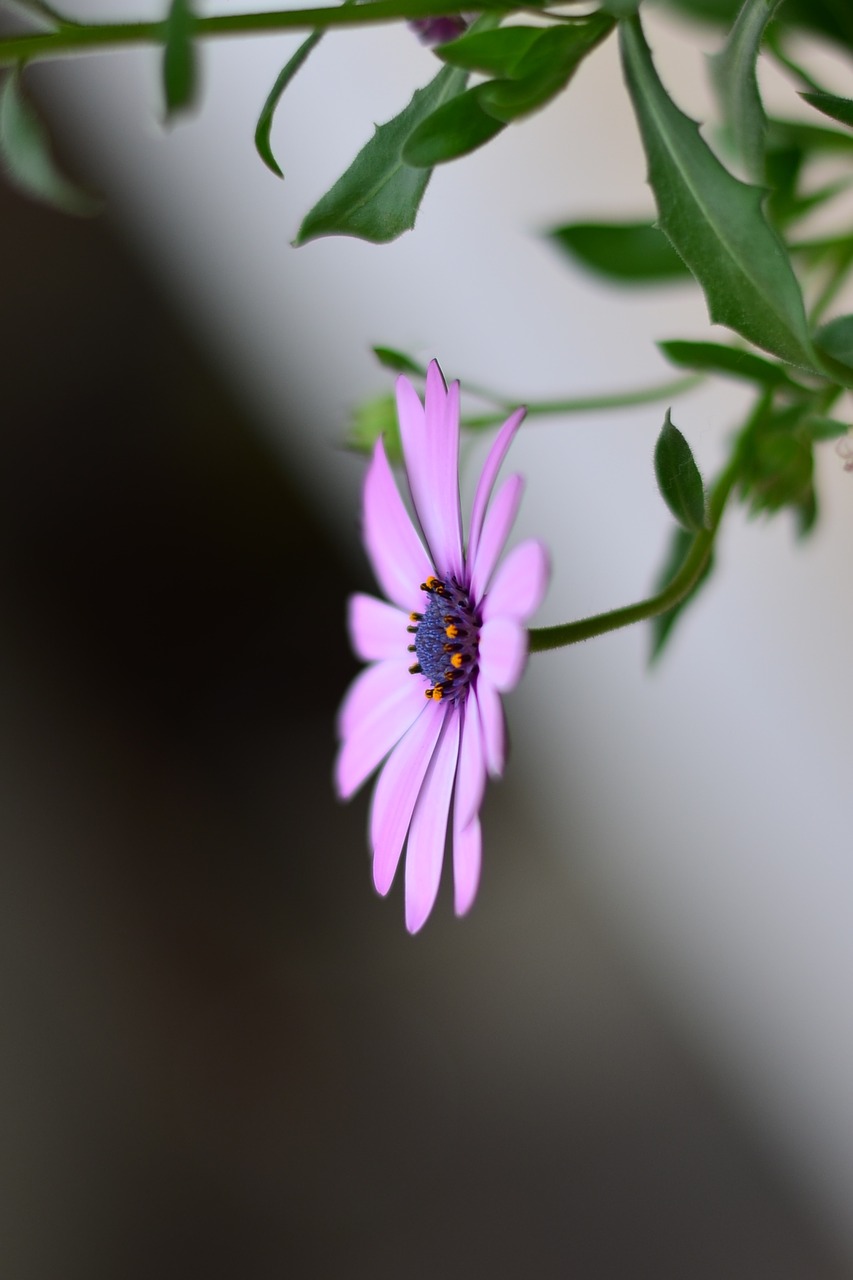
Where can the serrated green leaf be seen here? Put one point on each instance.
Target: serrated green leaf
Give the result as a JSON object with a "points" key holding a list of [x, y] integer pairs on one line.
{"points": [[733, 77], [840, 109], [493, 53], [678, 477], [714, 357], [399, 362], [263, 128], [662, 625], [454, 130], [626, 252], [714, 221], [379, 195], [180, 78], [545, 70], [25, 154], [374, 418]]}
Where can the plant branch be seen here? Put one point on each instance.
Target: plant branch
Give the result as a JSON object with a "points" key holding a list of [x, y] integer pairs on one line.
{"points": [[542, 638]]}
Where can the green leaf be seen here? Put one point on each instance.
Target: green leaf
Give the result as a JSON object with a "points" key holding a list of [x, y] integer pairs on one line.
{"points": [[374, 418], [809, 138], [399, 362], [733, 77], [840, 109], [714, 357], [180, 79], [827, 428], [662, 626], [545, 70], [26, 156], [714, 221], [627, 252], [263, 128], [835, 340], [678, 477], [455, 129], [379, 195], [493, 53]]}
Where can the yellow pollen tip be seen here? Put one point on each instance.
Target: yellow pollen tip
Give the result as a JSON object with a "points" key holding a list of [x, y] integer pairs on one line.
{"points": [[456, 660], [437, 693], [451, 632]]}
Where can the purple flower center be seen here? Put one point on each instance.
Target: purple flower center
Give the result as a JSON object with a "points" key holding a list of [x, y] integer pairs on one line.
{"points": [[447, 634]]}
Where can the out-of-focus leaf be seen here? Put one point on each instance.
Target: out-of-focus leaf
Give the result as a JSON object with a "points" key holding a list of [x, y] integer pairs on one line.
{"points": [[180, 72], [714, 357], [399, 362], [840, 109], [714, 221], [678, 477], [662, 626], [372, 419], [493, 53], [733, 77], [776, 458], [827, 428], [263, 128], [455, 129], [627, 252], [835, 340], [26, 156], [831, 18], [809, 138]]}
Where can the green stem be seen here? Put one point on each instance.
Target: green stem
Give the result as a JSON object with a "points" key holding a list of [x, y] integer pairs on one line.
{"points": [[541, 638], [583, 404], [96, 36]]}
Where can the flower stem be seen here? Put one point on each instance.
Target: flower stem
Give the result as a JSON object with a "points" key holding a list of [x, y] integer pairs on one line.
{"points": [[90, 37], [582, 404], [541, 638]]}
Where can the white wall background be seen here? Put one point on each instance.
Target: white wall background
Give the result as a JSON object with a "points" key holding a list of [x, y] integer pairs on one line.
{"points": [[705, 805]]}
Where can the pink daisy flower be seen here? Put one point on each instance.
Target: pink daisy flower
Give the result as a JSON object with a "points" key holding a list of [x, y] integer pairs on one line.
{"points": [[451, 640]]}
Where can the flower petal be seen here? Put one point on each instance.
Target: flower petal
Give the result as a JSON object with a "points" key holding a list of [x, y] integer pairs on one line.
{"points": [[376, 629], [488, 476], [520, 583], [427, 834], [471, 774], [467, 856], [493, 725], [496, 529], [382, 704], [396, 552], [430, 439], [503, 652], [397, 790]]}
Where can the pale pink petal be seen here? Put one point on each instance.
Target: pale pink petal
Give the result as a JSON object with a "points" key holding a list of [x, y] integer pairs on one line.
{"points": [[496, 528], [488, 476], [376, 629], [471, 774], [396, 553], [467, 856], [397, 790], [519, 585], [493, 726], [375, 684], [427, 834], [503, 652], [383, 721], [430, 439]]}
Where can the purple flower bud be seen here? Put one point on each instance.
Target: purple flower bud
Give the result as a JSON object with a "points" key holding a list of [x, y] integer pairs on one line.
{"points": [[438, 30]]}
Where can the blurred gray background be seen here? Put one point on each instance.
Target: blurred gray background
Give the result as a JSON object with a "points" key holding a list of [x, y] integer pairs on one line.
{"points": [[224, 1056]]}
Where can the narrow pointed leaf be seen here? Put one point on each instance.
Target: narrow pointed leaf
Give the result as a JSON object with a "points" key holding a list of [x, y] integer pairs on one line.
{"points": [[545, 70], [454, 130], [26, 156], [714, 221], [733, 77], [840, 109], [399, 362], [263, 128], [714, 357], [180, 73], [678, 477], [662, 626], [626, 252]]}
